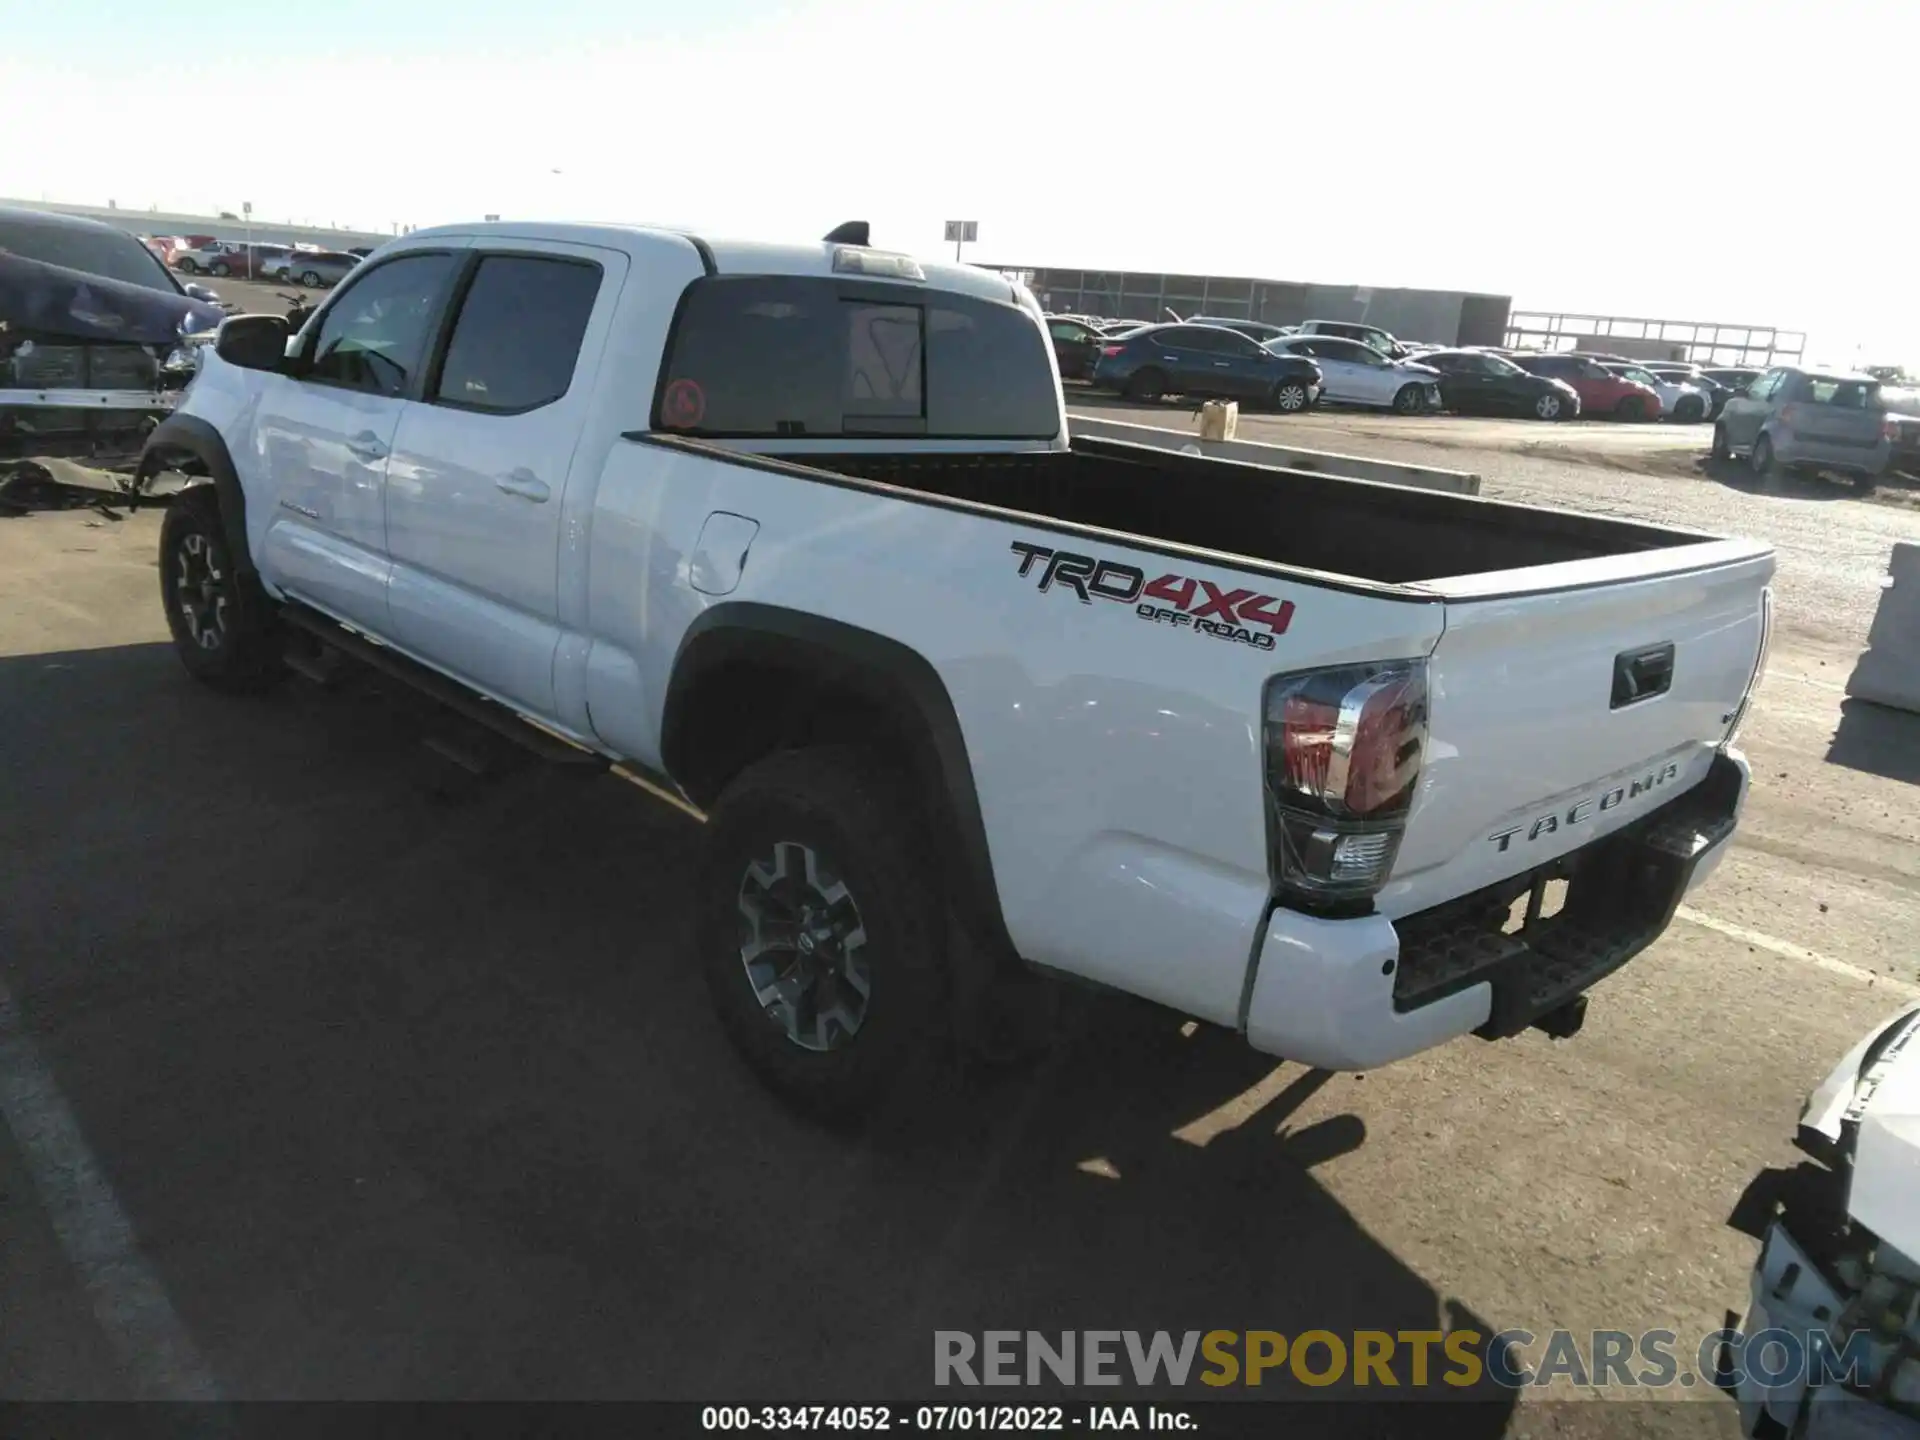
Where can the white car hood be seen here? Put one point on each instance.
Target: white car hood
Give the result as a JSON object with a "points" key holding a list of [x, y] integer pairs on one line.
{"points": [[1874, 1094]]}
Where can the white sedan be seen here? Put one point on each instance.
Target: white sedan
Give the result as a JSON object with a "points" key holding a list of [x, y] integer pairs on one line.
{"points": [[1356, 374], [1679, 400]]}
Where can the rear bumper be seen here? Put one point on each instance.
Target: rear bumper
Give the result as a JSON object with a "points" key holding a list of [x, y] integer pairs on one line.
{"points": [[1792, 449], [1355, 994]]}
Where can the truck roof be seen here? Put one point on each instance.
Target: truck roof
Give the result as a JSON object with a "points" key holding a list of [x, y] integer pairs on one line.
{"points": [[729, 256]]}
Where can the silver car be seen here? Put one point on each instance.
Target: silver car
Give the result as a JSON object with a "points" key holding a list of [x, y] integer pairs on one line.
{"points": [[1809, 420], [315, 268]]}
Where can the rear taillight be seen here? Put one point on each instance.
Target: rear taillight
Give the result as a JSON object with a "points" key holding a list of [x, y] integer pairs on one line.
{"points": [[1344, 747], [1109, 351]]}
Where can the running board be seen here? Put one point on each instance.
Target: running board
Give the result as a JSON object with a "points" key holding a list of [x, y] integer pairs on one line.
{"points": [[456, 697]]}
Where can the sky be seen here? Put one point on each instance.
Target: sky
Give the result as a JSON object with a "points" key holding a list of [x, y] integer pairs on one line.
{"points": [[1694, 160]]}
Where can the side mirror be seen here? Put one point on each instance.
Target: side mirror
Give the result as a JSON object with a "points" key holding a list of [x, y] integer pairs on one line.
{"points": [[253, 342]]}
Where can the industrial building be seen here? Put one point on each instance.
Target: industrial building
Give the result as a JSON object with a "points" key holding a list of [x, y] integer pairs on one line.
{"points": [[1439, 317]]}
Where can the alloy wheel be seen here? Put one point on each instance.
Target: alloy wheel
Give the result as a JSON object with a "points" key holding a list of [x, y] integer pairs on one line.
{"points": [[802, 945], [200, 592]]}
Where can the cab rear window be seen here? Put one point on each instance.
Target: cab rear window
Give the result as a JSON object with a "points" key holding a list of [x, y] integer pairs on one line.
{"points": [[801, 356]]}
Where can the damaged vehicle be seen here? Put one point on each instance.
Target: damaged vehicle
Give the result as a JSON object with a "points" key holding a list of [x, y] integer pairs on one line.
{"points": [[1831, 1343], [97, 338]]}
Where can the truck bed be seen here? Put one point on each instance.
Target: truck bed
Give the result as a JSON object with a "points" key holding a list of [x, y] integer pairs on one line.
{"points": [[1379, 533]]}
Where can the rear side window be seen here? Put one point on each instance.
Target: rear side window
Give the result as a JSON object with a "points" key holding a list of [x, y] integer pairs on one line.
{"points": [[517, 340], [1843, 394], [754, 356]]}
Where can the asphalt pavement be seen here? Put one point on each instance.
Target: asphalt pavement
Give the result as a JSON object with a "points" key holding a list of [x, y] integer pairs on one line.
{"points": [[366, 1082]]}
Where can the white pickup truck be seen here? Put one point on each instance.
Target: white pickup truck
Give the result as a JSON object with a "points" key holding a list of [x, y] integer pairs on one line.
{"points": [[795, 534]]}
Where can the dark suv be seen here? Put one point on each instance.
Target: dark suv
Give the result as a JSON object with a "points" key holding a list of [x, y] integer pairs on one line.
{"points": [[1205, 360]]}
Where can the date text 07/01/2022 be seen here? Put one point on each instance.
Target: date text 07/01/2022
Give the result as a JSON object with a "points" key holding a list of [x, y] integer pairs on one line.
{"points": [[933, 1419]]}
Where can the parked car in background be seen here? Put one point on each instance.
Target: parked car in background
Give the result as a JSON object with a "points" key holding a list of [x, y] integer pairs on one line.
{"points": [[1903, 413], [1736, 378], [359, 252], [1371, 336], [1357, 374], [316, 269], [96, 337], [1258, 330], [1076, 346], [1205, 360], [260, 261], [1473, 383], [1809, 420], [1687, 374], [1680, 400], [202, 255], [1601, 391]]}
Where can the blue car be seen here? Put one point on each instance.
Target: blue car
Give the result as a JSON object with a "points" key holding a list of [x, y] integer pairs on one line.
{"points": [[1205, 361]]}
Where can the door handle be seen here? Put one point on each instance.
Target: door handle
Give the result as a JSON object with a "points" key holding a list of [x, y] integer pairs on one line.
{"points": [[525, 484], [367, 446]]}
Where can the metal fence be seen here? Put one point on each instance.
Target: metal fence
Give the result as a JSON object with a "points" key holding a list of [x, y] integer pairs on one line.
{"points": [[1756, 347]]}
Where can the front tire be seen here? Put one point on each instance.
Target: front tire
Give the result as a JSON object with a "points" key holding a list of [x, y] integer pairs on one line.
{"points": [[1690, 410], [1146, 385], [821, 929], [1548, 407], [1290, 397], [219, 269], [1722, 446], [1631, 409], [1407, 401], [223, 623]]}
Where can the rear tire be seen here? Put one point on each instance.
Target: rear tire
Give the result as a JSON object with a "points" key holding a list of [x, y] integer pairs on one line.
{"points": [[224, 627], [187, 267], [1762, 459], [821, 930], [311, 279], [1147, 384], [1290, 397], [1407, 401]]}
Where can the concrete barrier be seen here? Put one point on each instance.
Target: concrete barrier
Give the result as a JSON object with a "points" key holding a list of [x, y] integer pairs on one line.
{"points": [[1254, 452], [1889, 671]]}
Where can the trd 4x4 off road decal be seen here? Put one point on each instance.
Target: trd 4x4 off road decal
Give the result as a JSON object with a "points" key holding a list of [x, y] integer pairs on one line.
{"points": [[1182, 602]]}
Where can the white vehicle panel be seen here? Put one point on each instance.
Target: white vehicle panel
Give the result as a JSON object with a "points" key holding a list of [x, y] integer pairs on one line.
{"points": [[1117, 763], [474, 512], [1514, 679]]}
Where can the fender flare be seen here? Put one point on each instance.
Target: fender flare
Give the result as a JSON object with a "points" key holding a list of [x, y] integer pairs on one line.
{"points": [[187, 437], [894, 676]]}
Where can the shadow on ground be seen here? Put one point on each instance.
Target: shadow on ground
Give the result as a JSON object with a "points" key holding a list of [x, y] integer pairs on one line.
{"points": [[410, 1096], [1877, 739]]}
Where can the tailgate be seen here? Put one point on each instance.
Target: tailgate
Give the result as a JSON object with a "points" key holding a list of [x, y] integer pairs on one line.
{"points": [[1560, 716]]}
